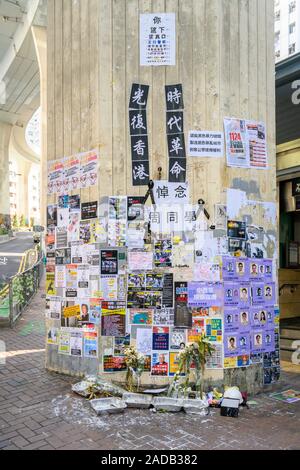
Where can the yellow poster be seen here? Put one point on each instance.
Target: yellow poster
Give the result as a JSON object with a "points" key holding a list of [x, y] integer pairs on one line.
{"points": [[50, 284], [230, 362], [72, 311]]}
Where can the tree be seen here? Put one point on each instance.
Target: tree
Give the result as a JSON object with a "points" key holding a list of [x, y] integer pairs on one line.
{"points": [[22, 221], [15, 222]]}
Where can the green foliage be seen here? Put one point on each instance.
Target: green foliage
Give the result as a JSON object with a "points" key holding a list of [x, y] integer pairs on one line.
{"points": [[22, 221], [15, 222], [193, 354]]}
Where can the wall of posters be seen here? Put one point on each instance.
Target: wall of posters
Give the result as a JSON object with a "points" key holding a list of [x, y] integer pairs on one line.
{"points": [[120, 272]]}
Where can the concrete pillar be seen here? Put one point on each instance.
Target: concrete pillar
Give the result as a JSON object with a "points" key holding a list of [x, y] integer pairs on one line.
{"points": [[5, 132], [39, 34], [224, 61]]}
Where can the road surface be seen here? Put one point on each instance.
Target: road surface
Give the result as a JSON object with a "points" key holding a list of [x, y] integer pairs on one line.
{"points": [[11, 253]]}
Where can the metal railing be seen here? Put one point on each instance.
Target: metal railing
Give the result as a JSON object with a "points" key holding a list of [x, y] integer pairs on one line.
{"points": [[19, 290]]}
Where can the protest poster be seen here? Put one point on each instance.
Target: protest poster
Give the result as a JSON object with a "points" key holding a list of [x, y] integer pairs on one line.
{"points": [[62, 217], [257, 341], [88, 169], [237, 148], [168, 290], [138, 96], [231, 294], [61, 236], [214, 329], [163, 316], [163, 253], [113, 315], [205, 294], [174, 97], [177, 170], [71, 178], [178, 338], [183, 314], [236, 229], [55, 172], [173, 363], [52, 335], [109, 287], [120, 344], [256, 133], [76, 342], [154, 281], [183, 255], [157, 39], [206, 144], [50, 284], [167, 192], [197, 329], [160, 339], [64, 341], [215, 360], [109, 261], [60, 276], [231, 342], [51, 215], [160, 363], [53, 308], [258, 293], [89, 210], [140, 259], [114, 364], [140, 316], [90, 343], [144, 340], [207, 272], [95, 310], [73, 226]]}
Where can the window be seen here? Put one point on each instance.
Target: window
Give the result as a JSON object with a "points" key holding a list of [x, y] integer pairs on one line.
{"points": [[292, 28], [32, 133], [277, 15], [292, 49], [292, 7]]}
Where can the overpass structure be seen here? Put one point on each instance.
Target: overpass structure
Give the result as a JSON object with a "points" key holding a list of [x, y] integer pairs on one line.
{"points": [[22, 23]]}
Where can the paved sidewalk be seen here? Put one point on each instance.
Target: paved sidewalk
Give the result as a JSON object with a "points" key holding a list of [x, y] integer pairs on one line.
{"points": [[39, 411]]}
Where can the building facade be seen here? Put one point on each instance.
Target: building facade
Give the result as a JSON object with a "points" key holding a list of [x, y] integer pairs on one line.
{"points": [[287, 28]]}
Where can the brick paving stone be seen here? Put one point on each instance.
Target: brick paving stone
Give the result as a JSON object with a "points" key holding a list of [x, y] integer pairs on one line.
{"points": [[39, 411]]}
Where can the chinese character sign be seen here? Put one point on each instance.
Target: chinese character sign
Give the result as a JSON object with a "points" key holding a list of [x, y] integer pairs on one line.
{"points": [[206, 144], [157, 39], [138, 134]]}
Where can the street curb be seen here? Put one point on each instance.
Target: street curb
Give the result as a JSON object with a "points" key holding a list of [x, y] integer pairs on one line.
{"points": [[9, 240]]}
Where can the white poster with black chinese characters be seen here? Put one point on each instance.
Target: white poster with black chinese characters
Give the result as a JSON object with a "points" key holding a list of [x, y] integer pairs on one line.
{"points": [[206, 144], [166, 192], [175, 133], [157, 39], [138, 134]]}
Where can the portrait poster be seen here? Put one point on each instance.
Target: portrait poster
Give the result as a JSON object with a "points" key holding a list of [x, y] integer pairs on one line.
{"points": [[160, 339], [160, 363]]}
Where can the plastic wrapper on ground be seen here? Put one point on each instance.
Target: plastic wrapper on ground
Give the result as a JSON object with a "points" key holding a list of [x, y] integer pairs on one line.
{"points": [[111, 405]]}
